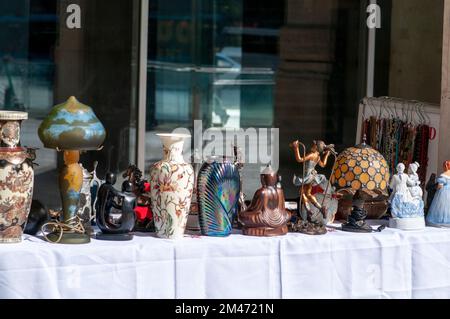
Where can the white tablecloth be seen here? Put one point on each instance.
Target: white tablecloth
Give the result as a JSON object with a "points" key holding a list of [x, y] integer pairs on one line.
{"points": [[390, 264]]}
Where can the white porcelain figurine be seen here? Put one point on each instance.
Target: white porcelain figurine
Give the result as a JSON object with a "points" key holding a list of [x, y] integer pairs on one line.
{"points": [[414, 181], [439, 212], [406, 199]]}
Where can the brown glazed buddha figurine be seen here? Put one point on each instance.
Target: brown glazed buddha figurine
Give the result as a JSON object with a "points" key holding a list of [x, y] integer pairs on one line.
{"points": [[266, 214]]}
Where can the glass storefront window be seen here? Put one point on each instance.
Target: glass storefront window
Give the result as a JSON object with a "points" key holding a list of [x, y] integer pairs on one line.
{"points": [[299, 66], [288, 64], [43, 61]]}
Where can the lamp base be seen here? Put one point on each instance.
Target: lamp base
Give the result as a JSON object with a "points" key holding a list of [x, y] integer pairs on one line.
{"points": [[308, 228], [69, 238], [115, 237], [363, 228]]}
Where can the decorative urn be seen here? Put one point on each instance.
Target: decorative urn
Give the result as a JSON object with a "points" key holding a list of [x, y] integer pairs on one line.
{"points": [[172, 184], [16, 178]]}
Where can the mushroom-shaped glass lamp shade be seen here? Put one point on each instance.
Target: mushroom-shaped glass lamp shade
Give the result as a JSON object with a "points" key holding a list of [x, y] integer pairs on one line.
{"points": [[71, 127]]}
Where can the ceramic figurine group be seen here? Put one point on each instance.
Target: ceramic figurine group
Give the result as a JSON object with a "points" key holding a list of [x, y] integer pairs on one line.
{"points": [[407, 206], [406, 199]]}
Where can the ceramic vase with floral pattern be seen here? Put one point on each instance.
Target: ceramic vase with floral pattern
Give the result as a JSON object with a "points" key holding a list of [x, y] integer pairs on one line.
{"points": [[172, 183], [16, 178]]}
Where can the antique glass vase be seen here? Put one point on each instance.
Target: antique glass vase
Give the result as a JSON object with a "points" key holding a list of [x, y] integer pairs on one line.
{"points": [[172, 183], [16, 178], [218, 187]]}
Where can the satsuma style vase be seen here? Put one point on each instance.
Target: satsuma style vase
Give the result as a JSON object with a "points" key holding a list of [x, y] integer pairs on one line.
{"points": [[16, 178]]}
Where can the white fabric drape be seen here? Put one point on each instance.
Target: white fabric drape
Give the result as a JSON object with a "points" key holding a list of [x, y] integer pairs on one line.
{"points": [[390, 264]]}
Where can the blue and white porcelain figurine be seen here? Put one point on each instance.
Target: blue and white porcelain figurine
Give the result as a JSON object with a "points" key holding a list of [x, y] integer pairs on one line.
{"points": [[407, 207], [439, 212]]}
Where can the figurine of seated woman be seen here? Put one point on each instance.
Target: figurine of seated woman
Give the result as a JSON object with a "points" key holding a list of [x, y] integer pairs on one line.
{"points": [[407, 206], [266, 215]]}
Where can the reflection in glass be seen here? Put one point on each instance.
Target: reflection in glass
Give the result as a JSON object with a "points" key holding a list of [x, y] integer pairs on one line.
{"points": [[43, 62], [240, 64]]}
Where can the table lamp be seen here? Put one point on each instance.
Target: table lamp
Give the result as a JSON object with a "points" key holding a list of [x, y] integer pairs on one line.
{"points": [[361, 168], [70, 127]]}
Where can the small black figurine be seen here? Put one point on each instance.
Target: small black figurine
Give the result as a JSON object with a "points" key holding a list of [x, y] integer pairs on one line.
{"points": [[356, 221], [115, 214], [37, 217]]}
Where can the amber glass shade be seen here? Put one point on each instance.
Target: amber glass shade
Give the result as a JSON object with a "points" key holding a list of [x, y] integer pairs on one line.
{"points": [[361, 167]]}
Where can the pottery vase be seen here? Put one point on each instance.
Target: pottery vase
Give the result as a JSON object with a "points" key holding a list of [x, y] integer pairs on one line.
{"points": [[218, 188], [172, 183], [16, 178]]}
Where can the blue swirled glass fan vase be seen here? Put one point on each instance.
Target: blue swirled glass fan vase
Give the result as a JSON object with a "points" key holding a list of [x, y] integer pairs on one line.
{"points": [[218, 187]]}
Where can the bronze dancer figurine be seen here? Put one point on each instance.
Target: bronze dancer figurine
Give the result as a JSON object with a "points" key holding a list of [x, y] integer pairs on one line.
{"points": [[318, 155]]}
